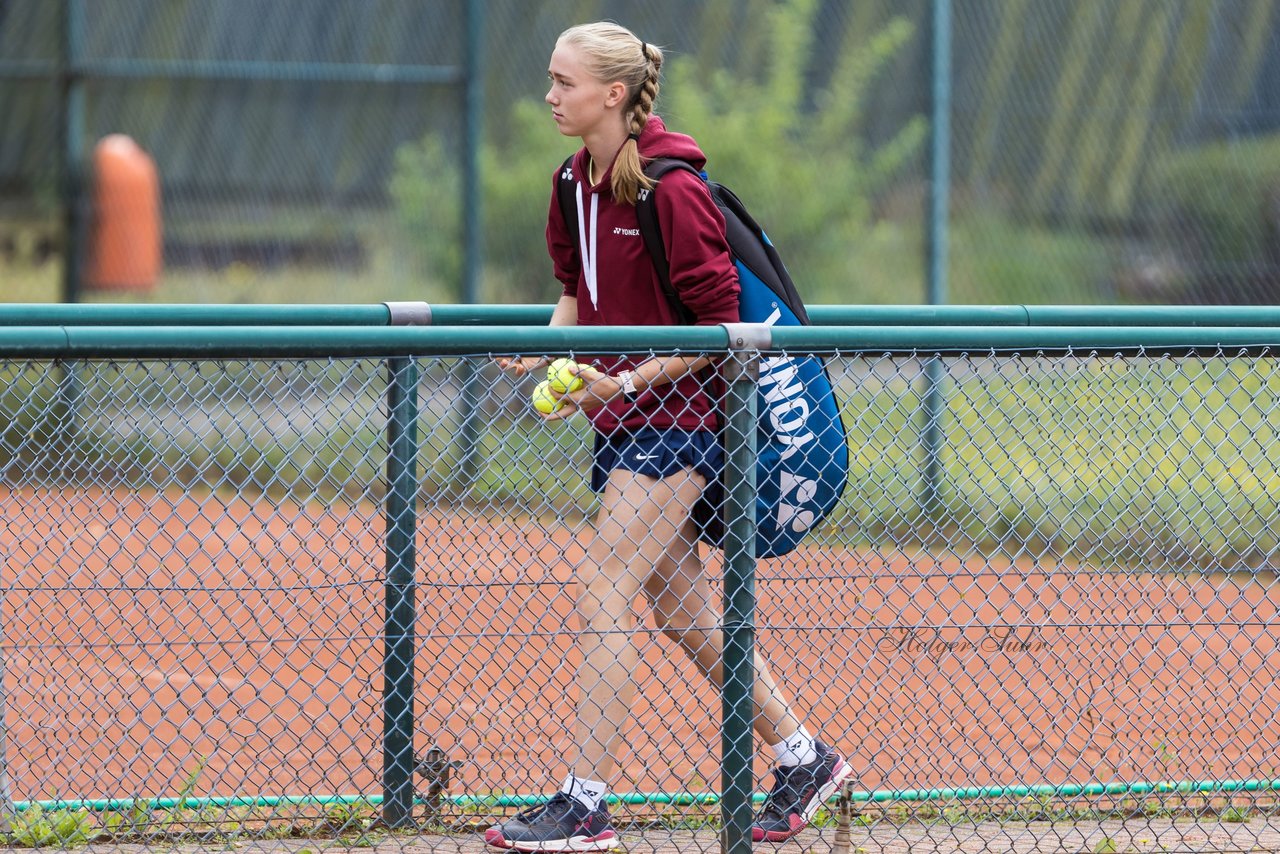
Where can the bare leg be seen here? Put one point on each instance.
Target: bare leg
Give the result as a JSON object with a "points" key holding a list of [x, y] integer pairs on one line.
{"points": [[640, 517], [683, 607]]}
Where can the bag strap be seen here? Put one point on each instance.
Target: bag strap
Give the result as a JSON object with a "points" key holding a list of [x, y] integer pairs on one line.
{"points": [[565, 186], [647, 215]]}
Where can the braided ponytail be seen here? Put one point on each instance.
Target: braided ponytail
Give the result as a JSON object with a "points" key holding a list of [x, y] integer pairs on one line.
{"points": [[615, 53], [628, 170]]}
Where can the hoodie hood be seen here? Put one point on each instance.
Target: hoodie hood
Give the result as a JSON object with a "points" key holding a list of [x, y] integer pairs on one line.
{"points": [[655, 141]]}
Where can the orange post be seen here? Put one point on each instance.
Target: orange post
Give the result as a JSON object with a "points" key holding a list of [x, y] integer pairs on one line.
{"points": [[124, 241]]}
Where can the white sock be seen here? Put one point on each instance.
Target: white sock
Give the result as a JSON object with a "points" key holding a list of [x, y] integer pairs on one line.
{"points": [[588, 792], [798, 748]]}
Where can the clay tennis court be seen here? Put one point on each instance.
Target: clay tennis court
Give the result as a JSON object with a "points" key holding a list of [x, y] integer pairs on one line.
{"points": [[149, 633]]}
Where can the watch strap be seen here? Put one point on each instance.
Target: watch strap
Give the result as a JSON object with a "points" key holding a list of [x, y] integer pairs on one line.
{"points": [[628, 380]]}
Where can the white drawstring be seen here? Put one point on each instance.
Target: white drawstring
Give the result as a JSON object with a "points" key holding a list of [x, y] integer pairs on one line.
{"points": [[588, 254]]}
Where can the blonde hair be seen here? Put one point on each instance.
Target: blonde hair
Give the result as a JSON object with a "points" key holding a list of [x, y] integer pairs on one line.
{"points": [[612, 52]]}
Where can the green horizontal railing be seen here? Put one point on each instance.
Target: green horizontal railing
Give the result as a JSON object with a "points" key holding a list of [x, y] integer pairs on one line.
{"points": [[378, 314], [1043, 315], [327, 341], [1020, 338], [215, 342], [287, 72], [80, 314], [517, 801]]}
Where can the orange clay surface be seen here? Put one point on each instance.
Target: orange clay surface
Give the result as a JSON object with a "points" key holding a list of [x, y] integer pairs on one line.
{"points": [[148, 635]]}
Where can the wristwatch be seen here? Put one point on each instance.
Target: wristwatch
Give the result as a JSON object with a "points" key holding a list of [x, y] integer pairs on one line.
{"points": [[628, 380]]}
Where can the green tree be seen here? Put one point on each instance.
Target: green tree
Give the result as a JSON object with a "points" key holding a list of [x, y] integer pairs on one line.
{"points": [[794, 155], [800, 162]]}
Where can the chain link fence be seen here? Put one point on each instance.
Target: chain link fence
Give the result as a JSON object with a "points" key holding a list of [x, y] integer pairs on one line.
{"points": [[1116, 151], [1068, 641]]}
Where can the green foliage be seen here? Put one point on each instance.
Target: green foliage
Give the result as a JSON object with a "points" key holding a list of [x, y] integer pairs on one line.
{"points": [[1221, 201], [426, 186], [140, 818], [802, 168], [1075, 464], [1002, 262], [1097, 97], [1236, 815], [795, 156], [427, 197], [32, 412], [36, 827], [357, 816]]}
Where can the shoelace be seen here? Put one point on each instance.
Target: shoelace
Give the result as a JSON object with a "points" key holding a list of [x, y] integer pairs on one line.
{"points": [[537, 812], [784, 794]]}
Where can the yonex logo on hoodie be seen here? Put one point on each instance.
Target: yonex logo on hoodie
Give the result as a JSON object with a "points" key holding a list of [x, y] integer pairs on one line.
{"points": [[628, 232]]}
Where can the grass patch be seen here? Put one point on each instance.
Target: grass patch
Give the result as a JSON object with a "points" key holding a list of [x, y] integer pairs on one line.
{"points": [[993, 261], [36, 827], [1236, 815], [1164, 464], [190, 821]]}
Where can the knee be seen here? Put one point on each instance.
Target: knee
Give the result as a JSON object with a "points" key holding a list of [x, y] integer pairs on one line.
{"points": [[681, 628], [675, 633], [601, 620], [601, 609]]}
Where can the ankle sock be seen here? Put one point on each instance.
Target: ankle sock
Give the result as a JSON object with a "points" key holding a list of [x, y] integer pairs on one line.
{"points": [[588, 792], [799, 748]]}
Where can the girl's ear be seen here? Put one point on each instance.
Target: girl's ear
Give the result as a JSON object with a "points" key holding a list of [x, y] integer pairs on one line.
{"points": [[615, 94]]}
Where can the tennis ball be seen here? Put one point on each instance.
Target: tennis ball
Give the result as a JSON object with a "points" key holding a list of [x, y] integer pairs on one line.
{"points": [[543, 400], [563, 377]]}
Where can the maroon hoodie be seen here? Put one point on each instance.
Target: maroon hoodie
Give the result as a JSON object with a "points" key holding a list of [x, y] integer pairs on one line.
{"points": [[621, 287]]}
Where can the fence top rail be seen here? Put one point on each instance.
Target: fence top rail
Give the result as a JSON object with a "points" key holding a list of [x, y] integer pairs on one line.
{"points": [[83, 314], [221, 70], [310, 342], [377, 314], [86, 314], [1044, 315]]}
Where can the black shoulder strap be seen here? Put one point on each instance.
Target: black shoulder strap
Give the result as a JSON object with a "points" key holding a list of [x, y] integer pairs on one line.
{"points": [[647, 215], [565, 195]]}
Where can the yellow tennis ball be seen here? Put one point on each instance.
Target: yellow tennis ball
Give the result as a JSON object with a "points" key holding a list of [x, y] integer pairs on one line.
{"points": [[563, 377], [543, 400]]}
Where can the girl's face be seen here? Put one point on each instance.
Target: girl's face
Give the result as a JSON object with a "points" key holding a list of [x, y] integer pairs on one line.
{"points": [[580, 102]]}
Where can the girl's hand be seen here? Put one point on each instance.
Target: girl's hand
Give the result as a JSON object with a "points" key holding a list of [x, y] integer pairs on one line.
{"points": [[521, 365], [600, 388]]}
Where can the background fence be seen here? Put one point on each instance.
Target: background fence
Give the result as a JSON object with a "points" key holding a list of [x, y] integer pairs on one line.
{"points": [[1105, 152], [1069, 640]]}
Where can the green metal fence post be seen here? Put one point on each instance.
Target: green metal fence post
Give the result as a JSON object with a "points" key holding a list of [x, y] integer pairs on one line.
{"points": [[741, 373], [71, 111], [402, 485], [7, 810], [470, 391], [934, 403], [474, 138], [939, 186]]}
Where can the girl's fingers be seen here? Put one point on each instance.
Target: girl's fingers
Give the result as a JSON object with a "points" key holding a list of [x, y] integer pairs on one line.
{"points": [[521, 365], [567, 409], [589, 374]]}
